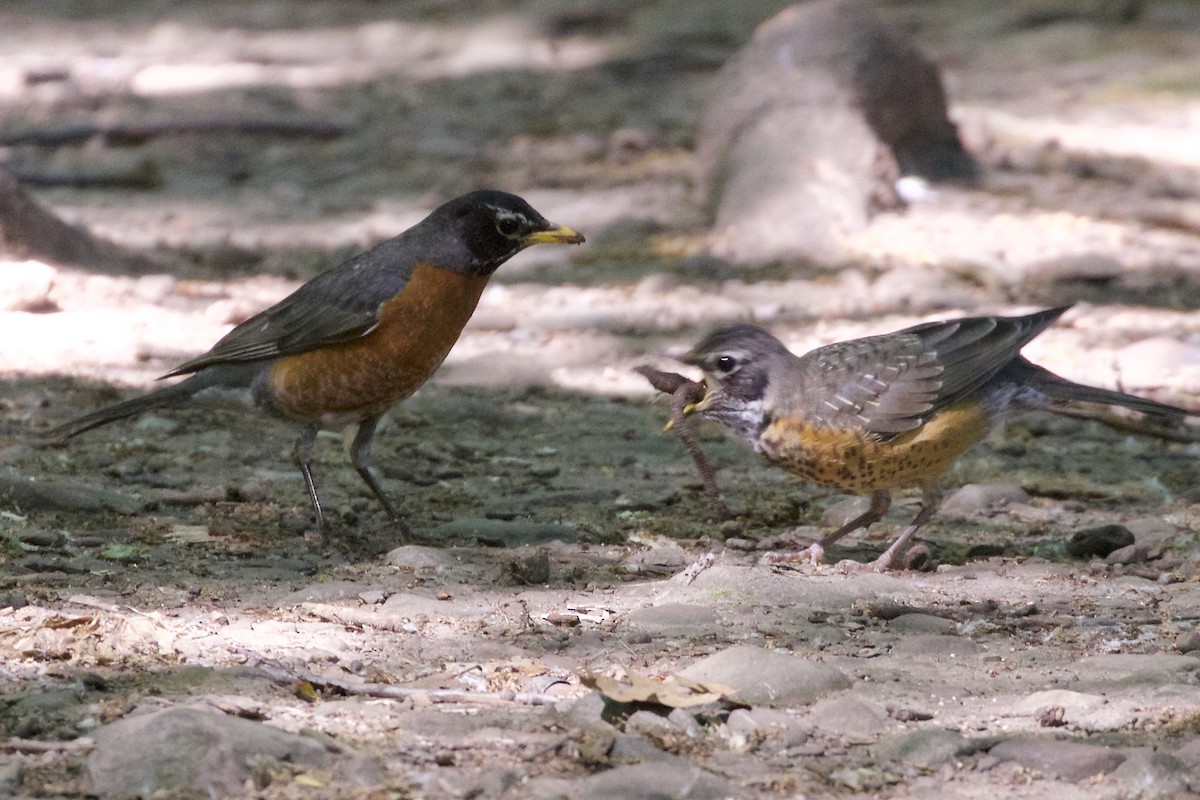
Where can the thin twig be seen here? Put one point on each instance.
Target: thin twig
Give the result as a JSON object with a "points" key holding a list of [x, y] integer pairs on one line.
{"points": [[143, 175], [133, 133], [284, 675]]}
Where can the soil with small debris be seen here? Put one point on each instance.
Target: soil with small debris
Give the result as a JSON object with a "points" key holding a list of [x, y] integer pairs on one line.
{"points": [[170, 562]]}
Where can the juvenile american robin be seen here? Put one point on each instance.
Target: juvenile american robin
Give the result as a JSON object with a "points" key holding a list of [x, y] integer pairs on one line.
{"points": [[347, 345], [884, 412]]}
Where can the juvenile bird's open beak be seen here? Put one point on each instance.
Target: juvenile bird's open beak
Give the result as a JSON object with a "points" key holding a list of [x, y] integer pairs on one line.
{"points": [[689, 409], [559, 235]]}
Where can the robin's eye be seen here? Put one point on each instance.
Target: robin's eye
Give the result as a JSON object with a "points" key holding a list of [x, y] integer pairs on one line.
{"points": [[507, 227], [726, 364]]}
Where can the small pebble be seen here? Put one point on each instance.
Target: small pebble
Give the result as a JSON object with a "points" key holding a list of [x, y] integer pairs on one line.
{"points": [[1129, 554]]}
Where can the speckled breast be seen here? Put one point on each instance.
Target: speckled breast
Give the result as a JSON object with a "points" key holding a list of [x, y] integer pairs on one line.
{"points": [[854, 461]]}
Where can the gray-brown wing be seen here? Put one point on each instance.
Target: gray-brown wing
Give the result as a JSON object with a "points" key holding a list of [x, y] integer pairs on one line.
{"points": [[882, 384], [892, 383], [337, 306]]}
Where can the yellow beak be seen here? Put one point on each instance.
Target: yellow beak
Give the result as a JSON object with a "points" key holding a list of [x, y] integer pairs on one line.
{"points": [[559, 235], [688, 409]]}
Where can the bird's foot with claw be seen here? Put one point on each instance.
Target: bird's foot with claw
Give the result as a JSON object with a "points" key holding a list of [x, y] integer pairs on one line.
{"points": [[851, 566], [917, 558], [814, 554]]}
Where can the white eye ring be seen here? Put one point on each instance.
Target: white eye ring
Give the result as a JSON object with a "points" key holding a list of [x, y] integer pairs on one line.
{"points": [[508, 227]]}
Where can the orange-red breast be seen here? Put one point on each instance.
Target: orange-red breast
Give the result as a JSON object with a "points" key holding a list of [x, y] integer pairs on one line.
{"points": [[347, 345]]}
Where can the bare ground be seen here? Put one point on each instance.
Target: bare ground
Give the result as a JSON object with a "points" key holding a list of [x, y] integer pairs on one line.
{"points": [[550, 512]]}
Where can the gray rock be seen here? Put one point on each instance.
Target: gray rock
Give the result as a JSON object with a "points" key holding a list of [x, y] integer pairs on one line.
{"points": [[587, 710], [421, 559], [39, 713], [1098, 541], [1068, 761], [501, 533], [1129, 554], [1132, 669], [1152, 531], [1150, 774], [188, 750], [982, 499], [769, 722], [922, 623], [39, 537], [1190, 753], [657, 781], [925, 749], [1070, 702], [847, 715], [648, 723], [27, 494], [674, 619], [321, 593], [765, 677], [630, 749], [656, 561], [412, 606], [935, 646], [686, 721], [1188, 641]]}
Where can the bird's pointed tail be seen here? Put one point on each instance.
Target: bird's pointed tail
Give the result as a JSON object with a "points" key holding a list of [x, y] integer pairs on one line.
{"points": [[1061, 390], [160, 398]]}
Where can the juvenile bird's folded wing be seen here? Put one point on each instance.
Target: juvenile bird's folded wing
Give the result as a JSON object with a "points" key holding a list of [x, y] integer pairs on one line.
{"points": [[881, 385], [892, 383]]}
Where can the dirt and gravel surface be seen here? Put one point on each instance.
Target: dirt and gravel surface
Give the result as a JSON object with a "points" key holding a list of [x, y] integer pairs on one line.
{"points": [[169, 618]]}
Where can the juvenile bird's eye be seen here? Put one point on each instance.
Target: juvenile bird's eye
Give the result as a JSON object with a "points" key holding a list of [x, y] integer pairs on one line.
{"points": [[727, 364], [507, 227]]}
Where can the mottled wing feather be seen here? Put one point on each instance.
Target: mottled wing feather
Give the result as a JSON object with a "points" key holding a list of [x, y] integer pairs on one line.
{"points": [[979, 347], [889, 384], [337, 306], [881, 384]]}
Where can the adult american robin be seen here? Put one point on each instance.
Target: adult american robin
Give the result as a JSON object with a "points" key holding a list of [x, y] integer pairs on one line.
{"points": [[347, 345], [884, 412]]}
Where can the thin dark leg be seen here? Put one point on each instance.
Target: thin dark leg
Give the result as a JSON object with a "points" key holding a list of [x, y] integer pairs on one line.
{"points": [[930, 500], [302, 452], [881, 501], [360, 457]]}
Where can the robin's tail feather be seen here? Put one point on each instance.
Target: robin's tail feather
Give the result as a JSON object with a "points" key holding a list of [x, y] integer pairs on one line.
{"points": [[1061, 390], [160, 398]]}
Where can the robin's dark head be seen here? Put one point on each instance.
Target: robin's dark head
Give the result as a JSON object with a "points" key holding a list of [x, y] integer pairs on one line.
{"points": [[738, 362], [478, 232]]}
